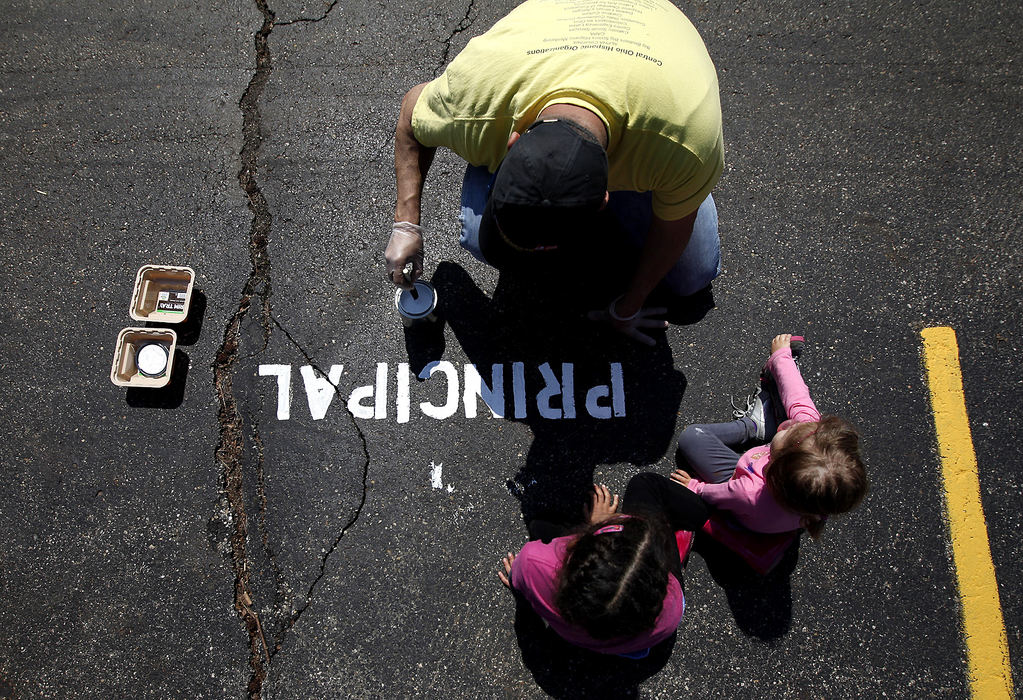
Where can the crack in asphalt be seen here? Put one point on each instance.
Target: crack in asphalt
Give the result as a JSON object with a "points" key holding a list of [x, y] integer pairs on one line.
{"points": [[362, 498], [229, 457], [280, 594], [464, 24], [230, 450], [257, 288], [330, 8]]}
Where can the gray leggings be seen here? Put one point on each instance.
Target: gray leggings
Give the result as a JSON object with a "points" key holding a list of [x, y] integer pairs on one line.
{"points": [[707, 447]]}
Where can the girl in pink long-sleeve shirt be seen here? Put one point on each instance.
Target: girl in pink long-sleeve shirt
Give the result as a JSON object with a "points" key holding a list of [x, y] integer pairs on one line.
{"points": [[810, 468]]}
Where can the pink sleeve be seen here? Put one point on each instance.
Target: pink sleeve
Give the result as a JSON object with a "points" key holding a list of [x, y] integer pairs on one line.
{"points": [[535, 570], [532, 566], [794, 393], [736, 495]]}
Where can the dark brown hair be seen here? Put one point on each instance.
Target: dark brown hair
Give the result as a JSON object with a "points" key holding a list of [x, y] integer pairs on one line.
{"points": [[818, 471], [613, 584]]}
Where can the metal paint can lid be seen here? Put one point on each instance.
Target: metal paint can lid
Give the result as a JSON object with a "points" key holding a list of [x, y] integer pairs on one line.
{"points": [[419, 306], [152, 359]]}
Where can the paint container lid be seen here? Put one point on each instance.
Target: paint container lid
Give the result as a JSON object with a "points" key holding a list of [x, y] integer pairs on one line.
{"points": [[152, 359], [416, 308]]}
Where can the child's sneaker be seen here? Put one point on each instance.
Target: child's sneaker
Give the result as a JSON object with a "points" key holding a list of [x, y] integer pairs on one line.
{"points": [[754, 410], [740, 410], [770, 389]]}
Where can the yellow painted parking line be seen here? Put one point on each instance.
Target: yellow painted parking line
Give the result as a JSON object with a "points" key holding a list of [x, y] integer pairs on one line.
{"points": [[986, 647]]}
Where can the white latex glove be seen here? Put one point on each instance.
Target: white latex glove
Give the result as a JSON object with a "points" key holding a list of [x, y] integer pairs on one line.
{"points": [[632, 325], [404, 246]]}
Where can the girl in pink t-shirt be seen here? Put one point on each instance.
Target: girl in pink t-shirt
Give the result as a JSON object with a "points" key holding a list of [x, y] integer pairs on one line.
{"points": [[810, 467], [613, 585]]}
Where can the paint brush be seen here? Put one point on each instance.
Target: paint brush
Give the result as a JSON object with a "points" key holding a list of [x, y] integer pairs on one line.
{"points": [[407, 272]]}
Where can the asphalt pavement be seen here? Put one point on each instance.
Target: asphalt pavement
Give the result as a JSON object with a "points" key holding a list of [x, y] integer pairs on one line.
{"points": [[300, 515]]}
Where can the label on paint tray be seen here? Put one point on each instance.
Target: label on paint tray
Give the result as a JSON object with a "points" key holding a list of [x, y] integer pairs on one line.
{"points": [[171, 301]]}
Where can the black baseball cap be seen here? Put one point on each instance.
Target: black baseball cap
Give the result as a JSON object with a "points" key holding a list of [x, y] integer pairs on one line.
{"points": [[547, 191]]}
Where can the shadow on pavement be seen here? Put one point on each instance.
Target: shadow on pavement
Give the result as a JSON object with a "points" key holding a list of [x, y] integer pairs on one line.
{"points": [[521, 325], [169, 396], [761, 605], [424, 343], [566, 671]]}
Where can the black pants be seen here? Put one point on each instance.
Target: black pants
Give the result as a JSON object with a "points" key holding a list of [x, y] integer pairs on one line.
{"points": [[646, 495]]}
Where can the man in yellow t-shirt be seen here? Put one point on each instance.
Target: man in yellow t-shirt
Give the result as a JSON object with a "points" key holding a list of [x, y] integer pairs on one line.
{"points": [[563, 108]]}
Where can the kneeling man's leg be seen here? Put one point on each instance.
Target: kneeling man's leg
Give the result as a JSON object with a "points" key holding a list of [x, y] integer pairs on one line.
{"points": [[700, 262], [475, 191]]}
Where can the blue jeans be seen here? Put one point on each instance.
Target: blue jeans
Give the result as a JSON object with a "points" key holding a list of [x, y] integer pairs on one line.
{"points": [[699, 264]]}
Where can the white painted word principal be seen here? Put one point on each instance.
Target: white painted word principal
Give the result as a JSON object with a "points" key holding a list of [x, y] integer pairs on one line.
{"points": [[555, 400]]}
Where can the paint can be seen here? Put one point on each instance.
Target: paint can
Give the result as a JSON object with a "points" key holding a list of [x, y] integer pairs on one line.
{"points": [[152, 359], [418, 305]]}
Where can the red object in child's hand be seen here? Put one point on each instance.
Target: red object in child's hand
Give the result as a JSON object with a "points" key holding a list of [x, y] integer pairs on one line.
{"points": [[796, 345]]}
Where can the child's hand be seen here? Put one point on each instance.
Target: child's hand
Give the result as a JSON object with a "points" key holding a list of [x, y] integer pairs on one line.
{"points": [[603, 505], [505, 575], [780, 341], [680, 477]]}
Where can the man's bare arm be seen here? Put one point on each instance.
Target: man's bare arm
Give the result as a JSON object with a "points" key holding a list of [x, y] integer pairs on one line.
{"points": [[411, 161], [663, 247]]}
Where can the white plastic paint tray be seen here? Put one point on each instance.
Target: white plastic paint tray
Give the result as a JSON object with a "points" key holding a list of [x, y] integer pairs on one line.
{"points": [[163, 293], [124, 371]]}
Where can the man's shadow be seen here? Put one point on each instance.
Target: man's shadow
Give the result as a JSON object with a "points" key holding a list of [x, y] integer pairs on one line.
{"points": [[632, 419], [623, 407]]}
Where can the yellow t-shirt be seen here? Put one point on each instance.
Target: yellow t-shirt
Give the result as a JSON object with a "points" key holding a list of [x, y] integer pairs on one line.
{"points": [[639, 64]]}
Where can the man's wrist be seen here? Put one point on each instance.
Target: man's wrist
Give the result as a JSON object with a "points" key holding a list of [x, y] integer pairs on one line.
{"points": [[629, 304], [407, 228], [615, 310], [407, 214]]}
